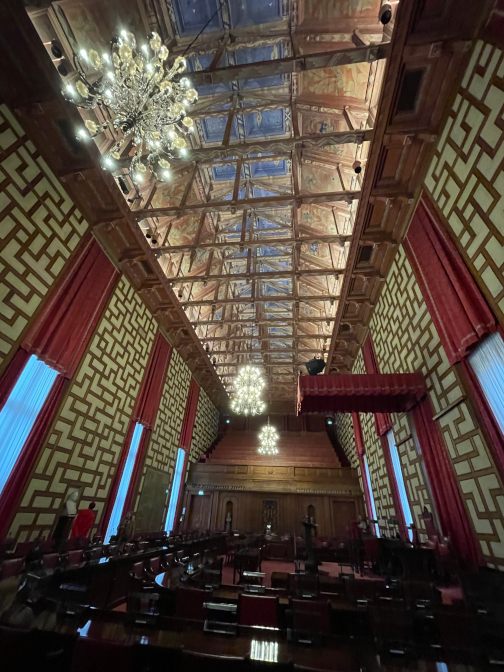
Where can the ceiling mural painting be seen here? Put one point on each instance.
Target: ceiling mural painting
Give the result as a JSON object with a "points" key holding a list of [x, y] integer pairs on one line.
{"points": [[253, 226]]}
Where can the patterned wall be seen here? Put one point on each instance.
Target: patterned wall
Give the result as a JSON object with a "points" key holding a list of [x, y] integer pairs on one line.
{"points": [[406, 340], [466, 177], [344, 429], [164, 443], [88, 433], [40, 227], [205, 427]]}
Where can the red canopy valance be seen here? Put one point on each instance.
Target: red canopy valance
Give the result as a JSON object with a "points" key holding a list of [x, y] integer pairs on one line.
{"points": [[363, 393]]}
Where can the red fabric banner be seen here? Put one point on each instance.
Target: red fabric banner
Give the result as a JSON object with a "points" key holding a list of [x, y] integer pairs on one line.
{"points": [[383, 421], [62, 331], [153, 381], [346, 393], [11, 375], [367, 486], [359, 439], [22, 468], [456, 305], [189, 416], [449, 505]]}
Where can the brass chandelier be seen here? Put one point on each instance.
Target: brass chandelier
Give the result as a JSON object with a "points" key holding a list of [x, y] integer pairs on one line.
{"points": [[144, 99]]}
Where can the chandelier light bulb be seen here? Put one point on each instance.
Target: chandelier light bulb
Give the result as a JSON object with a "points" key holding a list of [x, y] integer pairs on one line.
{"points": [[145, 104], [268, 436]]}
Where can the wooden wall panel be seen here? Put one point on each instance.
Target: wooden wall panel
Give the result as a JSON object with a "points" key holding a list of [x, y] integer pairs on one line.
{"points": [[291, 510], [88, 433], [205, 427], [40, 227], [466, 176]]}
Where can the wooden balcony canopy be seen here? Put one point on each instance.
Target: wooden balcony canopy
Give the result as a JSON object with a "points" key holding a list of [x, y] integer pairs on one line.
{"points": [[364, 393]]}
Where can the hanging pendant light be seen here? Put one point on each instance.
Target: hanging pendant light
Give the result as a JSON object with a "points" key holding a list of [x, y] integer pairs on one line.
{"points": [[268, 437], [143, 99], [248, 384]]}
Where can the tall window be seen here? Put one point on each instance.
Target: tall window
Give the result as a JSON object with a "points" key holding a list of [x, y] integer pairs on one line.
{"points": [[487, 362], [117, 511], [177, 480], [396, 464], [20, 412], [367, 476]]}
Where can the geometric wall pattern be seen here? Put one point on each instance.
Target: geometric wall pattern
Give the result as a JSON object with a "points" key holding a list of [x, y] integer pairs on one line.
{"points": [[87, 436], [344, 430], [165, 439], [466, 176], [406, 340], [40, 227], [205, 427]]}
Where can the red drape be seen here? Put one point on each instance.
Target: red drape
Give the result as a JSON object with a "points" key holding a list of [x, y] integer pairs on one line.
{"points": [[383, 421], [24, 464], [189, 416], [367, 487], [359, 439], [457, 307], [62, 331], [449, 505], [153, 381], [11, 375]]}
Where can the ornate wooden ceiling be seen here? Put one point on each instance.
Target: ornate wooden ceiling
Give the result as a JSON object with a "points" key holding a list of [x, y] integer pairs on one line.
{"points": [[269, 247]]}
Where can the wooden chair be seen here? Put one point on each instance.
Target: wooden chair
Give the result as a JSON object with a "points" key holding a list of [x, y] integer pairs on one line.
{"points": [[311, 618], [258, 610], [11, 567]]}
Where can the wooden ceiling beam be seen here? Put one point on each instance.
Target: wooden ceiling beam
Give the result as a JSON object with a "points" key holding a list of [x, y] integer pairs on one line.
{"points": [[266, 275], [263, 242], [290, 64]]}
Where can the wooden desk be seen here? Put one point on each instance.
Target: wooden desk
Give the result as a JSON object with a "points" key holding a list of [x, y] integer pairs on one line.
{"points": [[249, 559], [280, 580]]}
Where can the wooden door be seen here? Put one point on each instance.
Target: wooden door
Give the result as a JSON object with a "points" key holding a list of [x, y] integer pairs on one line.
{"points": [[200, 512], [343, 514]]}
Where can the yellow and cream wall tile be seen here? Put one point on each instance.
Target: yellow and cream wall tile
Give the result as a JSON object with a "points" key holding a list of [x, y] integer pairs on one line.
{"points": [[87, 436], [466, 176], [205, 427], [40, 227]]}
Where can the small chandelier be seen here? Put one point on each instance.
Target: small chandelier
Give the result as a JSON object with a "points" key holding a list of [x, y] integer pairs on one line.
{"points": [[147, 107], [248, 384], [268, 437]]}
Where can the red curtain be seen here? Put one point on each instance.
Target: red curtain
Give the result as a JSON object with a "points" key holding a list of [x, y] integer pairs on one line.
{"points": [[189, 416], [367, 488], [383, 421], [22, 469], [153, 381], [359, 439], [11, 375], [62, 330], [457, 307], [450, 507]]}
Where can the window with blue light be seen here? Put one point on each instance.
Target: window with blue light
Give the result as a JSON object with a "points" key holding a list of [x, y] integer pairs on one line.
{"points": [[487, 362], [20, 412], [367, 476], [177, 481], [122, 491], [396, 464]]}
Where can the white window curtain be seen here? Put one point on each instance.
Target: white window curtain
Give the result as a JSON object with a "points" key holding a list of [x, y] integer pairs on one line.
{"points": [[20, 412], [487, 362], [367, 476], [396, 464], [177, 481], [115, 518]]}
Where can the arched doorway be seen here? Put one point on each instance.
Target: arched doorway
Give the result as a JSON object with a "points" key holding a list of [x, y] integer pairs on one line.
{"points": [[310, 512], [228, 517]]}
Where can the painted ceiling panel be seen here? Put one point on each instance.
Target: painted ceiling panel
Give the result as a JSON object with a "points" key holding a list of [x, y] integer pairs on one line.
{"points": [[347, 80], [192, 15], [246, 13]]}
